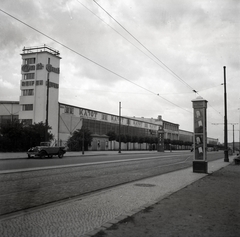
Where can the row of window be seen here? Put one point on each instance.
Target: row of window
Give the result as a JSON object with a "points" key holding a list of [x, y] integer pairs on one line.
{"points": [[31, 76], [27, 83], [31, 83], [172, 127], [68, 110], [29, 61], [53, 85], [102, 128], [28, 76], [27, 121], [39, 83], [28, 92], [27, 107]]}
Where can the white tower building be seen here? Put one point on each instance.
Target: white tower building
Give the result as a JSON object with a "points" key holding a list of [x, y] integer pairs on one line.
{"points": [[40, 87]]}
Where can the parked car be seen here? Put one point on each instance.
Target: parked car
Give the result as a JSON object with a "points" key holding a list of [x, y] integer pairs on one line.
{"points": [[46, 150]]}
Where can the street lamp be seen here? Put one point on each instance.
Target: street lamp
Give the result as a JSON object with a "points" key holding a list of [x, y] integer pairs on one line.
{"points": [[226, 159], [119, 150], [239, 132]]}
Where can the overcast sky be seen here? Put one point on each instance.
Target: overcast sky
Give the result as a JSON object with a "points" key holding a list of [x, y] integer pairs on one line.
{"points": [[147, 54]]}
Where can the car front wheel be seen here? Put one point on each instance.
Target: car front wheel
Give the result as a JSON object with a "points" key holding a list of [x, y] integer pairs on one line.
{"points": [[60, 154], [42, 154]]}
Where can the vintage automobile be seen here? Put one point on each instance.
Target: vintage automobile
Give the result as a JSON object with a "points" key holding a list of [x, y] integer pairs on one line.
{"points": [[46, 150]]}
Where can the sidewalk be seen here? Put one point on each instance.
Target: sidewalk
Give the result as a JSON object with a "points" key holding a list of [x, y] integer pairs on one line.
{"points": [[180, 203], [208, 207]]}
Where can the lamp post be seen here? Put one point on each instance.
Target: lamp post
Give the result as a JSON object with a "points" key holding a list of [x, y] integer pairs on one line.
{"points": [[83, 142], [239, 132], [47, 105], [119, 150], [226, 159]]}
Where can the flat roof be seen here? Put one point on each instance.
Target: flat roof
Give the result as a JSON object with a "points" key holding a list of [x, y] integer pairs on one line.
{"points": [[40, 49]]}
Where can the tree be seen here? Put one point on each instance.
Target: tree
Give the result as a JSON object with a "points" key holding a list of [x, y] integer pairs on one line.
{"points": [[16, 136], [129, 138], [141, 141], [79, 137], [35, 133], [135, 139], [123, 138], [111, 136], [187, 144]]}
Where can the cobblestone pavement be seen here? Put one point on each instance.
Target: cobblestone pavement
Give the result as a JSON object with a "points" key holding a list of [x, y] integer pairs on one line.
{"points": [[86, 215], [207, 208]]}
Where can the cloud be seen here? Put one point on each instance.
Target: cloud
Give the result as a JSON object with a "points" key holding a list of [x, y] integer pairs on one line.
{"points": [[194, 39]]}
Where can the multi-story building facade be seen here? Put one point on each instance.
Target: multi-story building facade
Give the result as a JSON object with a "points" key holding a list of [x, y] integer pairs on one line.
{"points": [[38, 102], [40, 86]]}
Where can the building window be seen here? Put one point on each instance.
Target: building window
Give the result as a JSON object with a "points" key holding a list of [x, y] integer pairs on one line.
{"points": [[28, 76], [27, 107], [27, 121], [27, 83], [52, 84], [104, 117], [29, 61], [69, 110], [39, 83], [27, 92]]}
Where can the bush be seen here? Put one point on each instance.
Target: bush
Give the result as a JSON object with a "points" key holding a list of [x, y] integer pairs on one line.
{"points": [[80, 137], [17, 137]]}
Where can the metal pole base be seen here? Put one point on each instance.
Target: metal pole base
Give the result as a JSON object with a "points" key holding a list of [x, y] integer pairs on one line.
{"points": [[226, 159], [200, 167]]}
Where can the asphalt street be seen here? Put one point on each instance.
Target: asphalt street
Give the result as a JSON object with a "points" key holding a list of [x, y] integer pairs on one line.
{"points": [[22, 190]]}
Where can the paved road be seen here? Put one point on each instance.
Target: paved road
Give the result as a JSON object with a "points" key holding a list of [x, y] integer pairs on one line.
{"points": [[74, 159], [23, 190]]}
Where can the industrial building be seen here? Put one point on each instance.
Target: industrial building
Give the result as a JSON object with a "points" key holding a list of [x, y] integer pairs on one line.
{"points": [[39, 102]]}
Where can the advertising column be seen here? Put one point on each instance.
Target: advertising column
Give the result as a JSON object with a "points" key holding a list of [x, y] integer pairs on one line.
{"points": [[160, 139], [200, 164]]}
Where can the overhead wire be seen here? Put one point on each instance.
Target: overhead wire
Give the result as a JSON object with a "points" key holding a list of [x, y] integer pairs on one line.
{"points": [[90, 60], [121, 35], [170, 70]]}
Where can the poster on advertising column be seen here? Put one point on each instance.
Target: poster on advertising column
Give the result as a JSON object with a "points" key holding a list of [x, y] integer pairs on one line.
{"points": [[199, 132], [199, 147], [198, 121]]}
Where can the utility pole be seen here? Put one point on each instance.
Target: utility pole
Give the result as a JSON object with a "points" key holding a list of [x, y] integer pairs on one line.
{"points": [[233, 140], [239, 134], [47, 105], [82, 141], [119, 151], [226, 159]]}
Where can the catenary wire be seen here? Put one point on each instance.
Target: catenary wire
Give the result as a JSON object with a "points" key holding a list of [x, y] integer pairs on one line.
{"points": [[168, 68], [122, 36], [178, 77], [92, 61]]}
